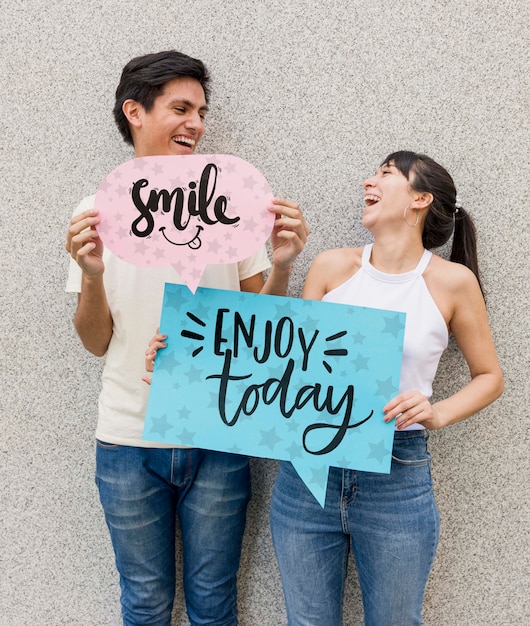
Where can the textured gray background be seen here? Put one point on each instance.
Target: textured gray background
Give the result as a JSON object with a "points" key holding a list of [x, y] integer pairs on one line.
{"points": [[314, 95]]}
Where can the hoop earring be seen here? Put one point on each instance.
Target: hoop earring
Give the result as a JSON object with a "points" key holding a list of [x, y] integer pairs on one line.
{"points": [[405, 217]]}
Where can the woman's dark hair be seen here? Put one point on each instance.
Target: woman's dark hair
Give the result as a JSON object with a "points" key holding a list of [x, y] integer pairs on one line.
{"points": [[143, 79], [443, 216]]}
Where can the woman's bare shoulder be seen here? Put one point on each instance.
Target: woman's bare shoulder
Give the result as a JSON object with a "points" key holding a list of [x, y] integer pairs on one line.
{"points": [[331, 268], [449, 275], [337, 258]]}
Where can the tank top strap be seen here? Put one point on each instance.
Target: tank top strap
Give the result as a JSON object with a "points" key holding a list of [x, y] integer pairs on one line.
{"points": [[367, 252], [424, 261]]}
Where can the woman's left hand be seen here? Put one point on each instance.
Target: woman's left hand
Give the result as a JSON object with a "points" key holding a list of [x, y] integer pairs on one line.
{"points": [[410, 408]]}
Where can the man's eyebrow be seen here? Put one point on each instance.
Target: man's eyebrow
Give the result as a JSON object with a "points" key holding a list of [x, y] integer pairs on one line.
{"points": [[188, 103]]}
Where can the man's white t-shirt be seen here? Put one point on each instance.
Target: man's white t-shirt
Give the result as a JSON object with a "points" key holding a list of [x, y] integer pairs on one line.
{"points": [[135, 296]]}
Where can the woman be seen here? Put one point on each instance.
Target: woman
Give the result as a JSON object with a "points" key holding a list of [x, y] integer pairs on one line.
{"points": [[390, 520]]}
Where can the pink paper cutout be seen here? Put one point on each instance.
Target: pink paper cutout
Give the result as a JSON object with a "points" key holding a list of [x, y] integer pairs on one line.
{"points": [[184, 211]]}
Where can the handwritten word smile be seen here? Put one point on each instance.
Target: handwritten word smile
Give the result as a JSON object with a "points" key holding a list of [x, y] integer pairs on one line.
{"points": [[198, 203]]}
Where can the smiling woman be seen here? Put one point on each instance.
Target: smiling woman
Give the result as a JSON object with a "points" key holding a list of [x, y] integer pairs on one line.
{"points": [[390, 521]]}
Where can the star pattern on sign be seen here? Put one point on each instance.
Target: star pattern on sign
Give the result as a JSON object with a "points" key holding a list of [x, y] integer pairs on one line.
{"points": [[269, 438], [358, 338], [343, 463], [139, 247], [294, 451], [171, 301], [266, 229], [292, 425], [201, 310], [229, 167], [385, 388], [167, 362], [378, 451], [157, 169], [249, 182], [160, 425], [310, 324], [186, 437], [193, 374], [250, 224], [285, 309], [360, 362], [276, 372], [304, 381], [179, 266], [104, 228], [184, 413], [122, 232], [189, 349], [196, 272], [232, 252], [214, 246], [319, 475], [159, 254], [393, 325], [235, 449]]}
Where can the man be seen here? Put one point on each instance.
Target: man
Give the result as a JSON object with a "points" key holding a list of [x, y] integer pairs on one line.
{"points": [[161, 103]]}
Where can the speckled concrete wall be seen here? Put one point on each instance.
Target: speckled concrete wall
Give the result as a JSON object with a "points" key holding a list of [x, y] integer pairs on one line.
{"points": [[314, 95]]}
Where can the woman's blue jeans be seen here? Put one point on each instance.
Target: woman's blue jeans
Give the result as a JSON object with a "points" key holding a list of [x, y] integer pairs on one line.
{"points": [[143, 491], [391, 523]]}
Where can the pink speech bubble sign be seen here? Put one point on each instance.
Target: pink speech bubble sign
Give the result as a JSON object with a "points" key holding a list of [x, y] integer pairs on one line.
{"points": [[184, 211]]}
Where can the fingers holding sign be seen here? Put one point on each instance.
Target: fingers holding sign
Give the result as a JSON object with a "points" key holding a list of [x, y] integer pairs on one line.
{"points": [[155, 344], [290, 232], [83, 243]]}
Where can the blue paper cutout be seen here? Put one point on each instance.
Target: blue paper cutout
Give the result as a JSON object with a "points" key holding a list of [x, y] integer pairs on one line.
{"points": [[280, 378]]}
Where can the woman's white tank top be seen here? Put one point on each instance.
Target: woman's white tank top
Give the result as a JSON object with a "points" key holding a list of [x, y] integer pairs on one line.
{"points": [[426, 334]]}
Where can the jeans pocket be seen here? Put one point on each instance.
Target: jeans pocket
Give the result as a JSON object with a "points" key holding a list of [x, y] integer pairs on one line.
{"points": [[411, 452], [104, 445]]}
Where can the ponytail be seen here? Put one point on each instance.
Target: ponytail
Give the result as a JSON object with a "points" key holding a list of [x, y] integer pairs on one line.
{"points": [[464, 248]]}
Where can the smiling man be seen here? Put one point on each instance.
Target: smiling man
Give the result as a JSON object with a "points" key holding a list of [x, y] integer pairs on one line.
{"points": [[160, 109]]}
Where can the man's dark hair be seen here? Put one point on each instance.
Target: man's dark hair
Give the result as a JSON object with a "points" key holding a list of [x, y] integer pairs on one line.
{"points": [[143, 79]]}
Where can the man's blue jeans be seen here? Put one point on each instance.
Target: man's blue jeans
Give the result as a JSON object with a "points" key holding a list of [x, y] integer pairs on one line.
{"points": [[389, 520], [142, 491]]}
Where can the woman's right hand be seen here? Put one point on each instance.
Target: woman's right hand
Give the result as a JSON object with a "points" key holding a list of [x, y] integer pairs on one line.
{"points": [[155, 344]]}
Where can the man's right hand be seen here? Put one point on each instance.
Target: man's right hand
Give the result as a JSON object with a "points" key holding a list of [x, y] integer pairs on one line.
{"points": [[84, 244]]}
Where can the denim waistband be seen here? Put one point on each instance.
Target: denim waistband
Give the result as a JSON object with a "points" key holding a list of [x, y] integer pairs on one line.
{"points": [[411, 434]]}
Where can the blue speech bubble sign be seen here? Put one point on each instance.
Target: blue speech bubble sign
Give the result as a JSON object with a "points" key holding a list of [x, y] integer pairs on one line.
{"points": [[280, 378]]}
